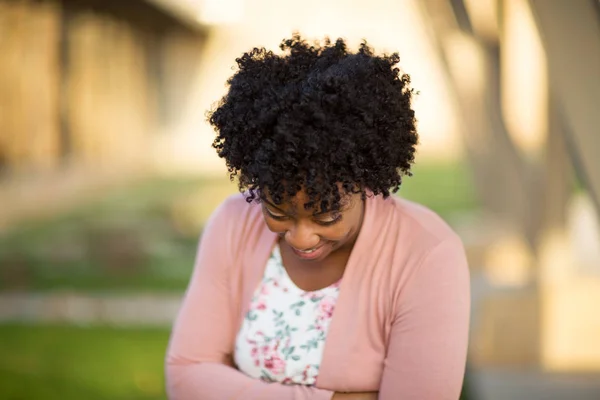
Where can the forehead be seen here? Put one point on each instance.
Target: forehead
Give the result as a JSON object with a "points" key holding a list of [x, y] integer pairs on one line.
{"points": [[298, 203]]}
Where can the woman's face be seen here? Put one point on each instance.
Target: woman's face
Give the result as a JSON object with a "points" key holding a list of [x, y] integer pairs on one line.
{"points": [[313, 235]]}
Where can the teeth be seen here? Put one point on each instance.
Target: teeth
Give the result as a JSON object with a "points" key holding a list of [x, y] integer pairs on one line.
{"points": [[307, 251]]}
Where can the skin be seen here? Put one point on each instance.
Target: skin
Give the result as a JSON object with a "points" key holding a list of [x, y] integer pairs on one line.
{"points": [[333, 234]]}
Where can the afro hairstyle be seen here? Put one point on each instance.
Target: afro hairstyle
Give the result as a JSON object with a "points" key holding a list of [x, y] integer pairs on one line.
{"points": [[318, 118]]}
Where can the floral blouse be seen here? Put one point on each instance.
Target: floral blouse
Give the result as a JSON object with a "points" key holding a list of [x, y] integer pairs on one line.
{"points": [[283, 334]]}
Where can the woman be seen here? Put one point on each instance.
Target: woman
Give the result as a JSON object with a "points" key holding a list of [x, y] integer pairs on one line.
{"points": [[315, 283]]}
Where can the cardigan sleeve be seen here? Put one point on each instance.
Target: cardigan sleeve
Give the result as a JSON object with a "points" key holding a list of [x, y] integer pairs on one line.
{"points": [[198, 362], [427, 348]]}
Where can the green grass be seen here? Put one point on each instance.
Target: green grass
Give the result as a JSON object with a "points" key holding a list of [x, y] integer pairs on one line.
{"points": [[445, 188], [140, 237], [66, 362], [144, 236]]}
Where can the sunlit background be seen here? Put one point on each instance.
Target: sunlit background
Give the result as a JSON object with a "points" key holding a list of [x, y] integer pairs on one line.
{"points": [[107, 176]]}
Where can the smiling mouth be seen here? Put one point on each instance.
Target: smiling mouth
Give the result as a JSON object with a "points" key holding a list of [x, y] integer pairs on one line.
{"points": [[310, 254], [308, 251], [312, 250]]}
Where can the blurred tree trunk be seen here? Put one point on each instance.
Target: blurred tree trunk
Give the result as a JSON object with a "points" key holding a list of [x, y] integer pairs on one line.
{"points": [[29, 84], [78, 82]]}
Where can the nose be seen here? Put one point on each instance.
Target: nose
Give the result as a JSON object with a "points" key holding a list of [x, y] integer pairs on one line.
{"points": [[301, 236]]}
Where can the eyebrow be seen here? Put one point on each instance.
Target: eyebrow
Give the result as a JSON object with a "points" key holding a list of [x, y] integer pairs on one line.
{"points": [[274, 206], [283, 212]]}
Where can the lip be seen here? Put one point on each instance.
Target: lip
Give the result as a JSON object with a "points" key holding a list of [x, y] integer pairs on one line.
{"points": [[318, 252]]}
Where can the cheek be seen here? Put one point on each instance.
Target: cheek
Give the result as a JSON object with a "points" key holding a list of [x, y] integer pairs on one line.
{"points": [[276, 226], [336, 232], [347, 226]]}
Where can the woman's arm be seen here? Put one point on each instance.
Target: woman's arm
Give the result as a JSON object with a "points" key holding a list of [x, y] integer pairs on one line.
{"points": [[198, 364], [428, 342], [355, 396]]}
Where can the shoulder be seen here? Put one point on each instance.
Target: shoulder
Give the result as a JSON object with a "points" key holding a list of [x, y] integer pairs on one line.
{"points": [[234, 204], [439, 252], [234, 216], [414, 240], [413, 226], [423, 251], [424, 219], [234, 207]]}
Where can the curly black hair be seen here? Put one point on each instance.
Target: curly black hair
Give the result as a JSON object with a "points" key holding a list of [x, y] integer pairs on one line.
{"points": [[318, 118]]}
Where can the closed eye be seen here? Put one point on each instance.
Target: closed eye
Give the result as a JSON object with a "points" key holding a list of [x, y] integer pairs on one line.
{"points": [[282, 217], [336, 218], [276, 217]]}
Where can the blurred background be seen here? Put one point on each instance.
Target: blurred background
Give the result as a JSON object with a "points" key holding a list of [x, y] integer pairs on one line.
{"points": [[107, 176]]}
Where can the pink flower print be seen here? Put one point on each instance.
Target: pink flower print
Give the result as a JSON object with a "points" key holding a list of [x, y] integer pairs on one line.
{"points": [[274, 364], [254, 356], [305, 373], [326, 307], [319, 326], [264, 290], [260, 306], [313, 296]]}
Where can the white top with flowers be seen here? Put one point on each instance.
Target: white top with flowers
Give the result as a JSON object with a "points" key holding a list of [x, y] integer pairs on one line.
{"points": [[283, 334]]}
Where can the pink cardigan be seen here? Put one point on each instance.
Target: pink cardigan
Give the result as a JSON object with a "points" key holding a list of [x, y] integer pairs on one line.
{"points": [[400, 325]]}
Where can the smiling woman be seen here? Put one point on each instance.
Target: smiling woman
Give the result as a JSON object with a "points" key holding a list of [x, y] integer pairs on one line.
{"points": [[323, 238], [314, 282]]}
